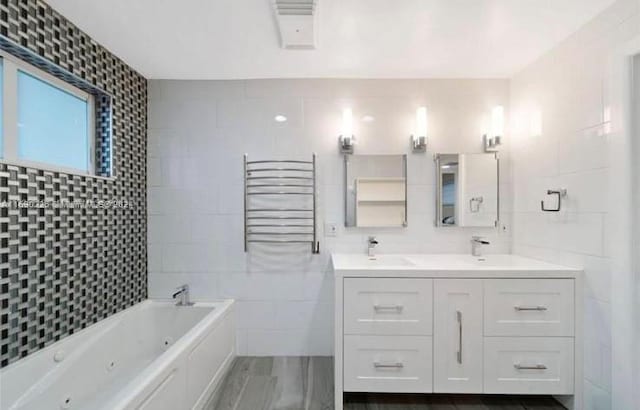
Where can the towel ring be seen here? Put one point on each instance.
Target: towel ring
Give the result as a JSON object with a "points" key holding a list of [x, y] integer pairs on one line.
{"points": [[561, 193]]}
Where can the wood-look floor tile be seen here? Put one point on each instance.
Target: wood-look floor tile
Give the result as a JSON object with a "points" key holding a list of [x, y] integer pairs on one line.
{"points": [[540, 403], [468, 402], [227, 395], [291, 380], [257, 394], [306, 383], [320, 387], [397, 402], [502, 403]]}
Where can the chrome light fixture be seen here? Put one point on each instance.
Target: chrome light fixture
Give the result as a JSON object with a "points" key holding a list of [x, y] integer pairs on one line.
{"points": [[419, 139], [347, 139], [493, 140]]}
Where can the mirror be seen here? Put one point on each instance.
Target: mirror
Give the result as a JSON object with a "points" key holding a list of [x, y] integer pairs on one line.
{"points": [[467, 190], [375, 191]]}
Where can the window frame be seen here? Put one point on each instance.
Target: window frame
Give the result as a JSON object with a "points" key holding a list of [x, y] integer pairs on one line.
{"points": [[11, 66]]}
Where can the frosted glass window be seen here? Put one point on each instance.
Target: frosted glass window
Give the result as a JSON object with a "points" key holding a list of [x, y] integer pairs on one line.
{"points": [[53, 124]]}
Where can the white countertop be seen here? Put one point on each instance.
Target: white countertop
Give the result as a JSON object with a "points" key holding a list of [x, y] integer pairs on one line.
{"points": [[446, 265]]}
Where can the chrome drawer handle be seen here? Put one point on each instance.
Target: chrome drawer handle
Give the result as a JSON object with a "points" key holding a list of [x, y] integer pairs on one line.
{"points": [[534, 367], [388, 307], [530, 308], [459, 352], [397, 365]]}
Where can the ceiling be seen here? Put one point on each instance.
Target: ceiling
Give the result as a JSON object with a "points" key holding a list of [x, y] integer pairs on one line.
{"points": [[238, 39]]}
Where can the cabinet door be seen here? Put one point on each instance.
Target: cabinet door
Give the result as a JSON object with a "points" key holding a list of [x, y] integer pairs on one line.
{"points": [[457, 336]]}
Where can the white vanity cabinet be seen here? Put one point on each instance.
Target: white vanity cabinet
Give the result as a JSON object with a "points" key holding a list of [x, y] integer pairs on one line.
{"points": [[457, 324]]}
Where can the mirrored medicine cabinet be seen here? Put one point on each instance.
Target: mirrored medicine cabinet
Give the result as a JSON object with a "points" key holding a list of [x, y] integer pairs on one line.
{"points": [[375, 191], [467, 190]]}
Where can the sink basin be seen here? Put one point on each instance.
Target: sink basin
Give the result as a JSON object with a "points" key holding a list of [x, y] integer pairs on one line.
{"points": [[389, 260], [466, 262], [462, 261], [498, 261]]}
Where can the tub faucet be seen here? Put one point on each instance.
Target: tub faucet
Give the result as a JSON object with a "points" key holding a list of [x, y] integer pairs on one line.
{"points": [[183, 296], [476, 245], [371, 246]]}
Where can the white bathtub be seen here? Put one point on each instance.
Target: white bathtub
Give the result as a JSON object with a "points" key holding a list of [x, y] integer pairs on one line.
{"points": [[154, 355]]}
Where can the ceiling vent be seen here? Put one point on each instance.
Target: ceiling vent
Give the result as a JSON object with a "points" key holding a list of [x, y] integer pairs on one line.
{"points": [[297, 23]]}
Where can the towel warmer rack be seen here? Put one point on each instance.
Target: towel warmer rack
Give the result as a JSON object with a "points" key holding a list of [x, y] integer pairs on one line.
{"points": [[280, 202]]}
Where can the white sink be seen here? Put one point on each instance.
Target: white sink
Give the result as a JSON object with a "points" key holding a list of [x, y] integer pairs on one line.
{"points": [[388, 261]]}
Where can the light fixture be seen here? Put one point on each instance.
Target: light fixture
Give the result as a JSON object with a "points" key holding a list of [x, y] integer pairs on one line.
{"points": [[493, 140], [368, 118], [280, 118], [347, 139], [419, 139]]}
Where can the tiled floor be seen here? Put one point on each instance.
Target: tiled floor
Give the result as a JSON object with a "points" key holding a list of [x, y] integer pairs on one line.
{"points": [[306, 383]]}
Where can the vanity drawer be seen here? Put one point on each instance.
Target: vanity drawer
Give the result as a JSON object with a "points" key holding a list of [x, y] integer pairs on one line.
{"points": [[388, 364], [528, 307], [528, 365], [384, 306]]}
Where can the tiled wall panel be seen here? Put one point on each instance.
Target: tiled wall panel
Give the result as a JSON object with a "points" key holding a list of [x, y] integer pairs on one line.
{"points": [[567, 88], [198, 133], [64, 269]]}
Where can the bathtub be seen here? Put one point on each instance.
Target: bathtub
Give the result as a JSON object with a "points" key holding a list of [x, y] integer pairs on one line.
{"points": [[154, 355]]}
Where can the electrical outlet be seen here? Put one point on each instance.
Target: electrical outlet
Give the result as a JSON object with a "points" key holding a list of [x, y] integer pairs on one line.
{"points": [[330, 229]]}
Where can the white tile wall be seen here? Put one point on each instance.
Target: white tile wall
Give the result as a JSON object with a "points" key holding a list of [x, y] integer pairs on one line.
{"points": [[567, 87], [198, 132]]}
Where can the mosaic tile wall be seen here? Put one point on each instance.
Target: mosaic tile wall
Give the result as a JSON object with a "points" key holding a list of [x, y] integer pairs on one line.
{"points": [[62, 269]]}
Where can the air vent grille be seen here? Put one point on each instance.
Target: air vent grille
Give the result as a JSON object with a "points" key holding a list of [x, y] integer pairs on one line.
{"points": [[297, 23], [295, 7]]}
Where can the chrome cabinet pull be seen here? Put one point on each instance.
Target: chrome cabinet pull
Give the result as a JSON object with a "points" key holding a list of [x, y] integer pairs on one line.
{"points": [[518, 366], [530, 308], [388, 307], [397, 365], [459, 354]]}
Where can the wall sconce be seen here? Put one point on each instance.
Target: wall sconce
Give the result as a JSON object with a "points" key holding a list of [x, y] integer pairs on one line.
{"points": [[347, 139], [419, 139], [493, 140]]}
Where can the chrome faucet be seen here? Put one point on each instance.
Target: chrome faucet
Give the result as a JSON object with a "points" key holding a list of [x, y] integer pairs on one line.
{"points": [[371, 245], [476, 245], [183, 296]]}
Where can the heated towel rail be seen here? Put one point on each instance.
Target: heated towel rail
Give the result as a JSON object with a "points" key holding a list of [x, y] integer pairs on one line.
{"points": [[280, 202]]}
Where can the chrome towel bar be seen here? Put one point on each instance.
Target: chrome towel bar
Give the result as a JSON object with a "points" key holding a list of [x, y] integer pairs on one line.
{"points": [[282, 177], [279, 210], [280, 162], [268, 201], [279, 169], [280, 193], [281, 218], [279, 186]]}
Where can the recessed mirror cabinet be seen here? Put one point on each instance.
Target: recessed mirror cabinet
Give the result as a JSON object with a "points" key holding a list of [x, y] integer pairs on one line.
{"points": [[375, 190], [467, 192]]}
